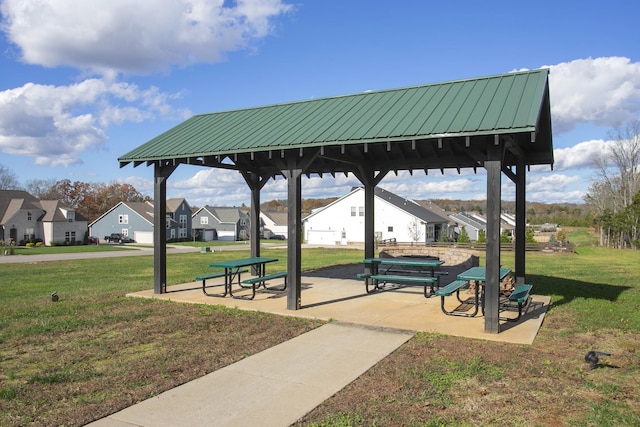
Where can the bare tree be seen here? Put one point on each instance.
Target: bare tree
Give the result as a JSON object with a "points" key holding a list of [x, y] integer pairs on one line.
{"points": [[612, 195], [416, 231], [40, 187], [8, 179], [620, 166]]}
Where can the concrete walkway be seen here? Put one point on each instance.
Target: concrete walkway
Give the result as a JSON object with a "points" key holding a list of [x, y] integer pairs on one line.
{"points": [[273, 388]]}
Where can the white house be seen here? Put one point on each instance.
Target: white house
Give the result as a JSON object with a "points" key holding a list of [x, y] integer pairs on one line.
{"points": [[342, 221], [274, 224]]}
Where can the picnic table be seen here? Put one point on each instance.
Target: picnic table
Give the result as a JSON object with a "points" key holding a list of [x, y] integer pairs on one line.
{"points": [[475, 274], [234, 268], [421, 271]]}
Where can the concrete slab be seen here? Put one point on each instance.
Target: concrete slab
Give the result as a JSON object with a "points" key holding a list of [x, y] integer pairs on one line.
{"points": [[347, 301], [273, 388]]}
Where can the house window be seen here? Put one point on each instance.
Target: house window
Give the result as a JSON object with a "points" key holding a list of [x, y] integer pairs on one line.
{"points": [[168, 222], [183, 221], [361, 211], [430, 232], [353, 211], [390, 229], [204, 220], [69, 236], [125, 232], [123, 219], [28, 216], [71, 216]]}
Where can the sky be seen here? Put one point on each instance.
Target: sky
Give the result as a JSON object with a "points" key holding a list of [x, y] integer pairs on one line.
{"points": [[84, 82]]}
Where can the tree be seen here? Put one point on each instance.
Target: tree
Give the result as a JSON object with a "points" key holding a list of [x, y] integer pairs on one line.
{"points": [[482, 236], [40, 187], [463, 237], [8, 179], [613, 194], [416, 232]]}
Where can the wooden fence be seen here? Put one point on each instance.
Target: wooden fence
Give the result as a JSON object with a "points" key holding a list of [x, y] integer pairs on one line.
{"points": [[476, 246]]}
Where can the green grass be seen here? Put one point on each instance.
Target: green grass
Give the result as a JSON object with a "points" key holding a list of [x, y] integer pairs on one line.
{"points": [[48, 250], [599, 285], [595, 294]]}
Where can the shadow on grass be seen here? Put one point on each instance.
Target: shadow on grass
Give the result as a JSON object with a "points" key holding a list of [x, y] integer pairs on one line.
{"points": [[569, 289]]}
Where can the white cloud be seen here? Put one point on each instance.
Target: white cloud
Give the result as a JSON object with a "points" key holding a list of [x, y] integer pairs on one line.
{"points": [[134, 36], [604, 91], [579, 156], [56, 124]]}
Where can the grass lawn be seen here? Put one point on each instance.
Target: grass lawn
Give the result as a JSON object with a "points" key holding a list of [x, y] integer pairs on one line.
{"points": [[95, 351]]}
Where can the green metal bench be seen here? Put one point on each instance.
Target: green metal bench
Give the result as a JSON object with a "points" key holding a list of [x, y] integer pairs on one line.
{"points": [[205, 277], [519, 296], [455, 287], [261, 280], [427, 282]]}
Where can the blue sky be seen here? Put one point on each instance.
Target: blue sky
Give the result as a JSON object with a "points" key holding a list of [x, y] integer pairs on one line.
{"points": [[82, 83]]}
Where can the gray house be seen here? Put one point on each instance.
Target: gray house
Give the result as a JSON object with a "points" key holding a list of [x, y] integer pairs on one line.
{"points": [[135, 220], [25, 218], [221, 223]]}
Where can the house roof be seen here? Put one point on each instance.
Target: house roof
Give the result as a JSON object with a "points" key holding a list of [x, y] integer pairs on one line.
{"points": [[11, 201], [174, 204], [278, 218], [144, 209], [225, 214], [444, 125], [410, 207]]}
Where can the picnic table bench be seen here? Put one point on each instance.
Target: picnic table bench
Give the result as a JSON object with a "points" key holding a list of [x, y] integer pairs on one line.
{"points": [[448, 290], [233, 269], [520, 297], [215, 275], [261, 281], [409, 271]]}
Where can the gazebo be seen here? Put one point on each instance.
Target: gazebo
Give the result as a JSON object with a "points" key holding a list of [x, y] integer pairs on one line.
{"points": [[500, 123]]}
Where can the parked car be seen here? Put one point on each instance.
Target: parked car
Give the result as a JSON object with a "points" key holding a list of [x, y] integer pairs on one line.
{"points": [[94, 240], [117, 238], [278, 237]]}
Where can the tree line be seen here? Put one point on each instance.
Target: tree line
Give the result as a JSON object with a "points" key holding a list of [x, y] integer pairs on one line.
{"points": [[88, 199]]}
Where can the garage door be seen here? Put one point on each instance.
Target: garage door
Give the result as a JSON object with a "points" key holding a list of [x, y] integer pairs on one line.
{"points": [[144, 237]]}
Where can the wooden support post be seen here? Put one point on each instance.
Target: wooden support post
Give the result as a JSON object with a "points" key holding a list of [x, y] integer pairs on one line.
{"points": [[493, 165], [161, 174], [255, 183], [294, 239], [521, 221]]}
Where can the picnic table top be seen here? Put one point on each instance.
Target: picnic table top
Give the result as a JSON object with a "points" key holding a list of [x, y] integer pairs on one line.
{"points": [[479, 273], [243, 262]]}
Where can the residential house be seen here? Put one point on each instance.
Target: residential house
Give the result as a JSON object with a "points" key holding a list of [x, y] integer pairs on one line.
{"points": [[25, 218], [474, 222], [135, 220], [221, 223], [471, 224], [131, 219], [179, 219], [342, 222], [274, 224]]}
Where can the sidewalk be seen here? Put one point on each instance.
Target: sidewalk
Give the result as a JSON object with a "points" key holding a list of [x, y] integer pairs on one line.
{"points": [[273, 388]]}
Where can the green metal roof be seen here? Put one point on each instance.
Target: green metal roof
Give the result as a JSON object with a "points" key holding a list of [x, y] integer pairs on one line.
{"points": [[513, 103]]}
